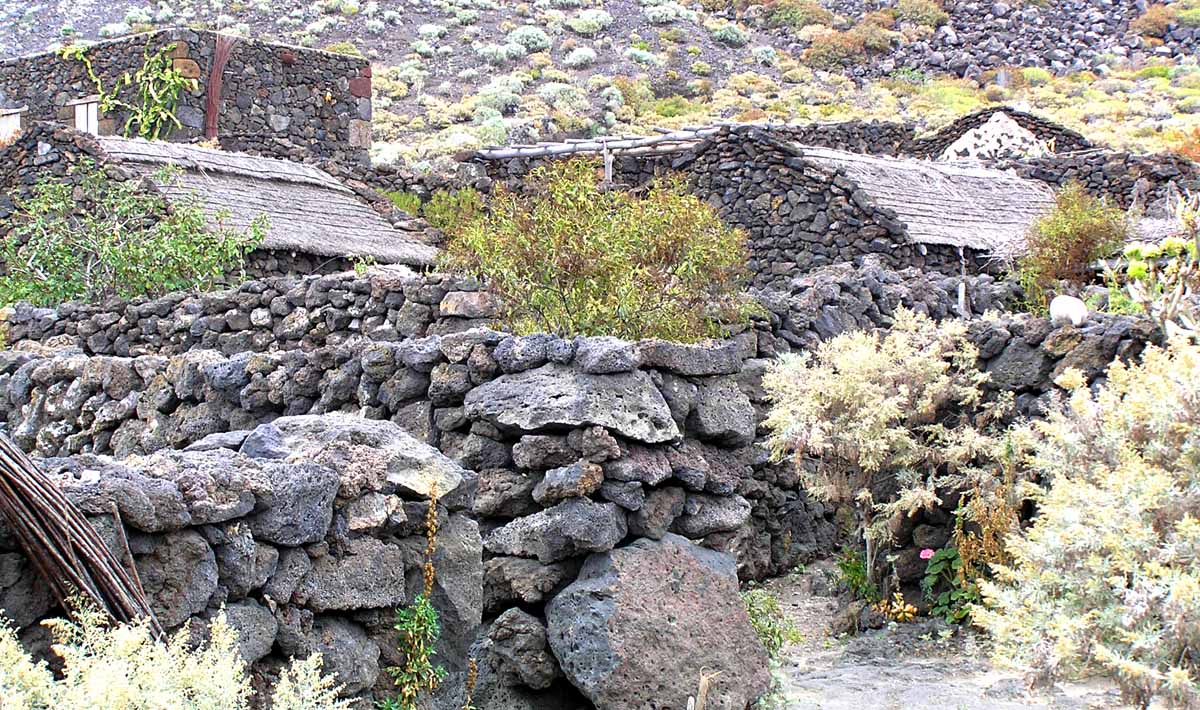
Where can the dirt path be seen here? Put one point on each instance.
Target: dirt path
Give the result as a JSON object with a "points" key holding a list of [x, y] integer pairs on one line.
{"points": [[924, 664]]}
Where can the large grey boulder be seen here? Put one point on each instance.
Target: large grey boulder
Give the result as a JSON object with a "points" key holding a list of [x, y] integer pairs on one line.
{"points": [[642, 623], [723, 413], [366, 453], [556, 396], [575, 526]]}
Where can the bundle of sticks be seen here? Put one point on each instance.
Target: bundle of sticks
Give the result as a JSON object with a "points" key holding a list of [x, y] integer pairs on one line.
{"points": [[63, 546]]}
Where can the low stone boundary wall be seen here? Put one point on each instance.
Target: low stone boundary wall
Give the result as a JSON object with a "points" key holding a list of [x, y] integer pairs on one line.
{"points": [[568, 449]]}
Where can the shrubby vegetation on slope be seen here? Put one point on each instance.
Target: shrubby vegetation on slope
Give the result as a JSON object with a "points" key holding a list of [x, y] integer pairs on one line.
{"points": [[92, 237], [574, 257], [1108, 575], [123, 667]]}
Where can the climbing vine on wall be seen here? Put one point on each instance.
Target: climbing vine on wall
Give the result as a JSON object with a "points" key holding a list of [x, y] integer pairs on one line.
{"points": [[157, 83]]}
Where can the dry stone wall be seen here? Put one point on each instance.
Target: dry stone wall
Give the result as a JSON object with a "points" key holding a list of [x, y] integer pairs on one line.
{"points": [[1120, 177], [307, 532], [569, 449], [273, 100]]}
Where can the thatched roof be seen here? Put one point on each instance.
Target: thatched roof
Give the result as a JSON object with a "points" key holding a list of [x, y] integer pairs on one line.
{"points": [[307, 209], [945, 203]]}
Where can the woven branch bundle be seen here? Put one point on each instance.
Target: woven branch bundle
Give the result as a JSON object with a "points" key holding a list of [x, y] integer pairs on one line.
{"points": [[63, 546]]}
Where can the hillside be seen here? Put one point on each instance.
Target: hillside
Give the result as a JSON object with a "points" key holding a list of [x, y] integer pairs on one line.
{"points": [[465, 73]]}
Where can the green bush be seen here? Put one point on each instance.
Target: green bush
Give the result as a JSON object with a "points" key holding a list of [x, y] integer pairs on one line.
{"points": [[123, 667], [407, 202], [1065, 243], [94, 237], [774, 628], [449, 211], [347, 48], [798, 14], [922, 12], [572, 257], [1107, 576]]}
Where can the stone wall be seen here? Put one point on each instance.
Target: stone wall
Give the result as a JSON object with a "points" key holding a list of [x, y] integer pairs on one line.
{"points": [[308, 532], [273, 100], [570, 448], [800, 215], [1118, 176]]}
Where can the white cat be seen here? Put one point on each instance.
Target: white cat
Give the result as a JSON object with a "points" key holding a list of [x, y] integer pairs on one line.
{"points": [[1068, 309]]}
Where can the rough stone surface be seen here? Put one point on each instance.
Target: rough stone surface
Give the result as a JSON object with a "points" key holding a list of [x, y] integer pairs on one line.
{"points": [[643, 622], [573, 527], [553, 395]]}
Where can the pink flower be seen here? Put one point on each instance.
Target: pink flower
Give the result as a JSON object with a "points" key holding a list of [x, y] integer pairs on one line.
{"points": [[926, 553]]}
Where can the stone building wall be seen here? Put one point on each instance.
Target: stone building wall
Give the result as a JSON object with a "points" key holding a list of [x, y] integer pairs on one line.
{"points": [[275, 100], [1117, 176]]}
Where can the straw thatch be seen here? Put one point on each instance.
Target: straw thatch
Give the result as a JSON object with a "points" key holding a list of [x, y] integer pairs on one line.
{"points": [[307, 209], [947, 204]]}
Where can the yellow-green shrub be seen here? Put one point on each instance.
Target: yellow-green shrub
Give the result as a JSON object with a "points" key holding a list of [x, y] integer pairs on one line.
{"points": [[1063, 244], [1108, 575], [123, 667], [447, 210], [798, 13], [572, 257], [922, 12]]}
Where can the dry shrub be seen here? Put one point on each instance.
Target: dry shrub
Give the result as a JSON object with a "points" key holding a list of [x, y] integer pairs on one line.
{"points": [[833, 49], [1154, 22], [574, 256], [1187, 145]]}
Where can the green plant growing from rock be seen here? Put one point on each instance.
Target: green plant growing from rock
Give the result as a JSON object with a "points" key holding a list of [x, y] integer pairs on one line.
{"points": [[773, 626], [946, 588], [419, 628], [157, 83], [91, 237], [575, 257], [1065, 243]]}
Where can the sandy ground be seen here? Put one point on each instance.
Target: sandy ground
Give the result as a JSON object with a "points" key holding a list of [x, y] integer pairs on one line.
{"points": [[919, 665]]}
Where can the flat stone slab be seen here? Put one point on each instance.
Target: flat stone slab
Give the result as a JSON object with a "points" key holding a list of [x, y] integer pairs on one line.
{"points": [[557, 396]]}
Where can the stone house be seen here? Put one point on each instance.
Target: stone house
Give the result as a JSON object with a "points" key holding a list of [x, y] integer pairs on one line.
{"points": [[804, 206], [316, 223], [250, 96]]}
